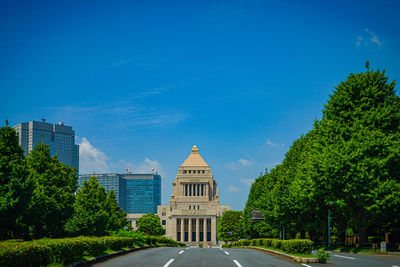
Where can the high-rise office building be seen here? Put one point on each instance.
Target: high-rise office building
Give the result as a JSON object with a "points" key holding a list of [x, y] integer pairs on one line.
{"points": [[135, 193], [61, 139]]}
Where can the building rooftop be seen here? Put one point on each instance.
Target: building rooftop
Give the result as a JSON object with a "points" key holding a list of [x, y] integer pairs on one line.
{"points": [[194, 159]]}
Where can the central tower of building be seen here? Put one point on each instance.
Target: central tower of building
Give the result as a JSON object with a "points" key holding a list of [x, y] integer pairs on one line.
{"points": [[194, 207]]}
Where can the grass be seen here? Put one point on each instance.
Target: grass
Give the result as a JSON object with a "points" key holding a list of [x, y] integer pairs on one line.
{"points": [[292, 254]]}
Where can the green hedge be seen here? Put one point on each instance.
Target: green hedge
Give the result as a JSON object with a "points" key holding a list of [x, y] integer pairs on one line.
{"points": [[45, 251], [142, 239], [297, 246]]}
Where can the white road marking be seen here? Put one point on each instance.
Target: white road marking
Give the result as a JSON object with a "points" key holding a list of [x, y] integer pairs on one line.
{"points": [[168, 263], [395, 266], [345, 257], [226, 252], [181, 252], [306, 265], [237, 263]]}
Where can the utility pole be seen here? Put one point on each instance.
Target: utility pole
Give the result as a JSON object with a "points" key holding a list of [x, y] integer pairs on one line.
{"points": [[329, 228]]}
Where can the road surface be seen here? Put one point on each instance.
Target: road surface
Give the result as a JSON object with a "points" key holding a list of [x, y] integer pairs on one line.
{"points": [[207, 257]]}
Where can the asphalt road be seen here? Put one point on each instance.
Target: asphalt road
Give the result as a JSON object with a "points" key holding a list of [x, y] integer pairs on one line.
{"points": [[206, 257]]}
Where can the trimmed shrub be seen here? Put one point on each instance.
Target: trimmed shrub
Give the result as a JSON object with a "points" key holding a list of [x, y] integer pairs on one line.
{"points": [[297, 246], [24, 254]]}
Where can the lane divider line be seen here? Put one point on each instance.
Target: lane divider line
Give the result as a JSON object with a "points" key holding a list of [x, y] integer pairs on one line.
{"points": [[226, 252], [168, 263], [345, 257], [306, 265], [237, 263], [181, 252]]}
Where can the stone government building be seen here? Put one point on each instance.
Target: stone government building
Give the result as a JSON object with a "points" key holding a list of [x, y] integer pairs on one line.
{"points": [[194, 208]]}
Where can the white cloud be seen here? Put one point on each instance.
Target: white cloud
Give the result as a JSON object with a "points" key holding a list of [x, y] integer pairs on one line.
{"points": [[234, 165], [146, 167], [368, 39], [270, 143], [232, 188], [91, 159], [247, 182]]}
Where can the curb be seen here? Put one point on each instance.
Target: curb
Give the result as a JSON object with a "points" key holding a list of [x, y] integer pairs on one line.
{"points": [[107, 256], [295, 258], [389, 253]]}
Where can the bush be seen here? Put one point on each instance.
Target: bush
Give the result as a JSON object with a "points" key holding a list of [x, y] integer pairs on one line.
{"points": [[297, 246], [300, 246], [63, 250], [24, 254], [323, 256]]}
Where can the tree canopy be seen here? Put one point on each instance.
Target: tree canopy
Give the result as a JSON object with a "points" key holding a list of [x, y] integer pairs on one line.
{"points": [[348, 163], [150, 224], [229, 226]]}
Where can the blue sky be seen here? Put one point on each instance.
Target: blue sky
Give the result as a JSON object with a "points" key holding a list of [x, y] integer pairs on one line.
{"points": [[141, 82]]}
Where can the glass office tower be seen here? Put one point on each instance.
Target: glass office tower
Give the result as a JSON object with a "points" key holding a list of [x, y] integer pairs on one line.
{"points": [[61, 139], [135, 193]]}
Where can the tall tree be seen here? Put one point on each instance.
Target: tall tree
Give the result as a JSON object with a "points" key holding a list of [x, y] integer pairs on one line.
{"points": [[90, 216], [150, 224], [53, 195], [229, 226], [15, 187], [360, 131], [116, 216]]}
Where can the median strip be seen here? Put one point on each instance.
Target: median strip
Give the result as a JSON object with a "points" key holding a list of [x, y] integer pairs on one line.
{"points": [[345, 257], [168, 263]]}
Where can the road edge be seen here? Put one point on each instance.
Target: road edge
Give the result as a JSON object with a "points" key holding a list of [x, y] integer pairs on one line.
{"points": [[108, 256], [295, 258]]}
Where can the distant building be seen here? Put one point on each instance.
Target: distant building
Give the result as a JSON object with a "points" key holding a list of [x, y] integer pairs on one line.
{"points": [[61, 139], [135, 193], [194, 208]]}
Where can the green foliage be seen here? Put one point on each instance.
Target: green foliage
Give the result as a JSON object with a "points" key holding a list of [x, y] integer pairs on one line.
{"points": [[53, 194], [323, 256], [66, 250], [150, 224], [141, 239], [348, 163], [15, 186], [95, 211], [229, 226], [294, 246]]}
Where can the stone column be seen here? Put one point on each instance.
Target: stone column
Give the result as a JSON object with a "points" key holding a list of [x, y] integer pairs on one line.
{"points": [[204, 230], [214, 230], [174, 232], [182, 230], [190, 230], [197, 231]]}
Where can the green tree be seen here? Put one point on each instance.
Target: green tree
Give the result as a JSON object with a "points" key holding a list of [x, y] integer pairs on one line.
{"points": [[15, 186], [95, 211], [116, 216], [229, 226], [53, 196], [90, 216], [150, 224], [360, 131]]}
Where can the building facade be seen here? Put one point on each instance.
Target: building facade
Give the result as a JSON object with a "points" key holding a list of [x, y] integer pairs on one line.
{"points": [[61, 139], [194, 208], [135, 193]]}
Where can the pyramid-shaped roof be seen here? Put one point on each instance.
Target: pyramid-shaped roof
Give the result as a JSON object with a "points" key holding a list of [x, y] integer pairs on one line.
{"points": [[194, 159]]}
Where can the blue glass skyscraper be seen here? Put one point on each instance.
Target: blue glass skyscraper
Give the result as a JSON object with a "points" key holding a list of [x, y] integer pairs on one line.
{"points": [[135, 193]]}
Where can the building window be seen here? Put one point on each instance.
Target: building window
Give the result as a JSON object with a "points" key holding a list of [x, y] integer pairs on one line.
{"points": [[163, 222], [198, 207], [163, 214], [190, 207], [190, 171], [204, 171], [184, 171]]}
